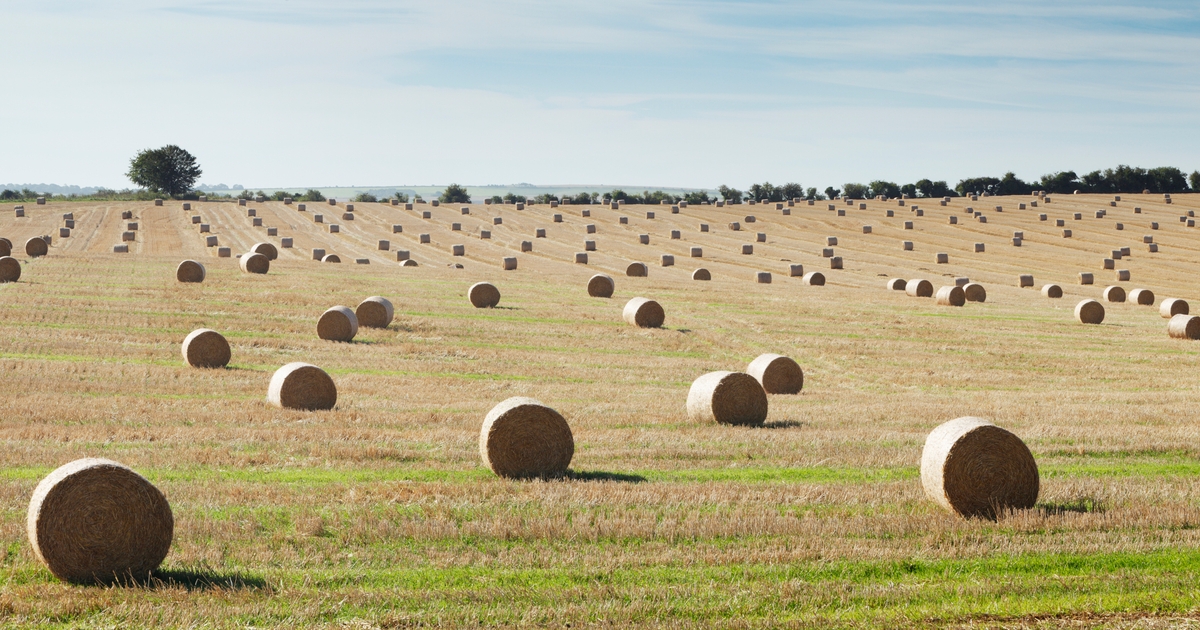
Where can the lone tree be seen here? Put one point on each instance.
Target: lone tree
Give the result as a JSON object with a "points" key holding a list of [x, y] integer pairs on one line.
{"points": [[455, 194], [169, 170]]}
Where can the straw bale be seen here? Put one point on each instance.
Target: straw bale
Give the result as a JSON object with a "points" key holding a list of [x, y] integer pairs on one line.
{"points": [[951, 296], [727, 398], [36, 247], [338, 323], [814, 279], [1171, 307], [763, 277], [795, 270], [896, 284], [835, 262], [10, 269], [1089, 312], [508, 263], [701, 274], [581, 258], [408, 262], [64, 232], [974, 468], [908, 245], [1184, 326], [522, 438], [189, 271], [777, 374], [643, 313], [5, 247], [458, 250], [1052, 291], [1142, 297], [95, 520], [943, 258], [128, 236], [637, 270], [749, 249], [1086, 277], [1025, 280], [375, 312], [761, 237], [601, 286], [483, 295], [120, 249], [302, 386], [974, 292], [255, 263], [266, 249], [1114, 294], [205, 348], [919, 288], [526, 246], [668, 260]]}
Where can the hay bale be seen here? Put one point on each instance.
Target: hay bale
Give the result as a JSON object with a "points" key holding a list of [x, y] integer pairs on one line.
{"points": [[951, 296], [189, 271], [508, 263], [408, 262], [1089, 312], [701, 274], [1086, 277], [835, 262], [338, 323], [908, 225], [749, 249], [483, 295], [943, 258], [255, 263], [795, 270], [1114, 294], [526, 246], [1052, 291], [601, 286], [814, 279], [763, 277], [205, 348], [896, 284], [697, 252], [908, 245], [375, 312], [36, 247], [1171, 307], [644, 239], [668, 260], [458, 250], [777, 374], [10, 269], [581, 258], [972, 467], [643, 313], [919, 288], [5, 247], [1184, 326], [266, 249], [302, 386], [286, 242], [523, 438], [1142, 297], [727, 398], [95, 520], [760, 237], [703, 227], [1122, 275], [974, 292], [636, 270], [1025, 280]]}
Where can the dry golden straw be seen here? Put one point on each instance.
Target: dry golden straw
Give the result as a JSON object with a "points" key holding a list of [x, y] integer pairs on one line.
{"points": [[1114, 294], [484, 295], [951, 296], [974, 468], [1143, 297], [896, 284], [644, 313], [255, 263], [701, 274], [36, 247], [1052, 291], [727, 398], [1171, 307], [205, 348], [636, 270], [523, 438], [189, 271], [338, 323], [974, 292], [375, 312], [302, 386], [1089, 312], [919, 288], [266, 249], [601, 285], [777, 374], [1184, 327], [94, 520], [10, 269]]}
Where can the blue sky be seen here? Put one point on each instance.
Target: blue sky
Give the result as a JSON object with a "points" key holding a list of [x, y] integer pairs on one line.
{"points": [[646, 93]]}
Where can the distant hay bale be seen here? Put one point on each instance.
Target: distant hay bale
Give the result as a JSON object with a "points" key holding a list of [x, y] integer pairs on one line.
{"points": [[701, 274], [128, 236], [523, 438], [1122, 275], [1114, 294], [896, 284], [581, 258], [5, 247], [1052, 291], [483, 295], [1025, 280], [908, 225], [408, 262], [762, 277], [526, 246], [1089, 312], [919, 288], [189, 271], [974, 292], [302, 386], [508, 263], [835, 262], [266, 249], [974, 468], [727, 398], [1086, 277], [643, 313], [667, 260], [644, 239], [943, 258], [255, 263], [637, 270], [205, 348], [951, 296], [697, 252], [98, 521], [1171, 307], [978, 247], [36, 247], [814, 279], [10, 269], [64, 232], [375, 312], [601, 286], [539, 233], [748, 249], [908, 245], [777, 374], [703, 227], [1142, 297], [1184, 326], [795, 270], [458, 250], [338, 323], [120, 249], [761, 237]]}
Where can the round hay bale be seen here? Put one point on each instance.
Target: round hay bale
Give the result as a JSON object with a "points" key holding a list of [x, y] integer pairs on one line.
{"points": [[10, 269], [95, 520], [523, 438], [951, 296], [375, 312], [974, 468], [701, 274], [974, 292], [255, 263], [637, 270], [896, 284], [1114, 294], [266, 249], [338, 323], [601, 285], [1052, 291], [302, 386], [1171, 307], [814, 279], [189, 271], [5, 247], [727, 398], [1184, 327], [1089, 312], [1143, 297], [331, 258], [36, 247], [919, 288], [484, 295], [408, 262], [643, 313], [777, 374], [205, 348]]}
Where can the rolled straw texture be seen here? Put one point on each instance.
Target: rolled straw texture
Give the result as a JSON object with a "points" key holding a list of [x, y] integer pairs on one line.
{"points": [[974, 292], [255, 263], [601, 285], [974, 468], [1052, 291], [896, 284], [338, 323], [637, 270], [919, 288], [266, 249], [1089, 312], [951, 296], [1114, 294], [701, 274], [484, 295], [10, 269], [523, 438], [189, 271], [1184, 327], [205, 348], [1171, 307], [644, 313], [375, 312], [777, 374], [94, 520], [302, 386], [727, 398], [1143, 297], [35, 247]]}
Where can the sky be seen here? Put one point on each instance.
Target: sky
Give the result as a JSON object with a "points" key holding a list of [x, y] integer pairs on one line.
{"points": [[298, 93]]}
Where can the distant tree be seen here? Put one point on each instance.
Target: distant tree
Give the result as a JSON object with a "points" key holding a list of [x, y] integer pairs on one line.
{"points": [[455, 194], [1094, 182], [1060, 183], [977, 185], [698, 197], [832, 193], [855, 191], [366, 198], [280, 195], [169, 170], [313, 194], [888, 189], [909, 190], [791, 190], [932, 189], [1165, 179], [8, 194], [497, 199], [763, 192], [730, 195], [1194, 180], [1010, 184], [544, 198], [585, 198], [403, 197], [811, 193], [508, 198]]}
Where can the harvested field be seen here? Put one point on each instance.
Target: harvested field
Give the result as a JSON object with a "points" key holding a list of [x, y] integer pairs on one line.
{"points": [[380, 512]]}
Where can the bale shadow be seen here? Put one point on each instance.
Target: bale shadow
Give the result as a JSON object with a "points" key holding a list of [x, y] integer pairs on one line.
{"points": [[507, 308], [1078, 505], [599, 475], [202, 581], [784, 424]]}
